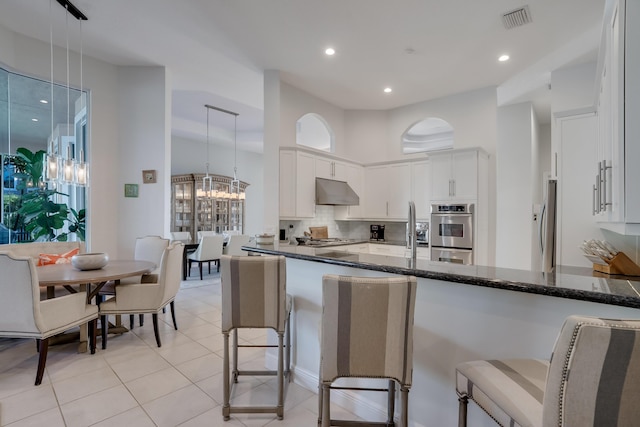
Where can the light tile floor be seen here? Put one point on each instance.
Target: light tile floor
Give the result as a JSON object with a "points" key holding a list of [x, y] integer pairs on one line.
{"points": [[135, 383]]}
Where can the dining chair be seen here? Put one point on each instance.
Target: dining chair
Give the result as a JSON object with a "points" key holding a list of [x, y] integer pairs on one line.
{"points": [[24, 315], [592, 379], [233, 247], [254, 295], [148, 297], [209, 249], [147, 248], [367, 332], [181, 236], [206, 233]]}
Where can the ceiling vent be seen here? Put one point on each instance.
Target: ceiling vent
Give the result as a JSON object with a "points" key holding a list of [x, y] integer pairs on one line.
{"points": [[516, 18]]}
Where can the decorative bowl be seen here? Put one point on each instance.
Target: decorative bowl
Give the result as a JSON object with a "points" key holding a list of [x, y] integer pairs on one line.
{"points": [[91, 261], [264, 239]]}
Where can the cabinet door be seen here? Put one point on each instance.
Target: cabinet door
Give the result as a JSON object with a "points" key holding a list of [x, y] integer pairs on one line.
{"points": [[398, 190], [376, 188], [340, 171], [324, 168], [305, 186], [464, 167], [287, 183], [355, 179], [441, 177], [421, 180]]}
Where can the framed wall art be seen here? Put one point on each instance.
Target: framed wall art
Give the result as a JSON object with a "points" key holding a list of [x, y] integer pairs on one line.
{"points": [[131, 190], [149, 176]]}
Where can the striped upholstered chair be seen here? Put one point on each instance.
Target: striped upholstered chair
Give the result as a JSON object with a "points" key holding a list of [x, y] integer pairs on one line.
{"points": [[254, 296], [593, 379], [367, 332]]}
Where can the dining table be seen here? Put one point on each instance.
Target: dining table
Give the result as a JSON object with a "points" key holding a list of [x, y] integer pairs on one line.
{"points": [[89, 281]]}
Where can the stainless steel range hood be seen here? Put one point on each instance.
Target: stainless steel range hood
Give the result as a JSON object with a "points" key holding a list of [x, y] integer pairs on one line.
{"points": [[332, 192]]}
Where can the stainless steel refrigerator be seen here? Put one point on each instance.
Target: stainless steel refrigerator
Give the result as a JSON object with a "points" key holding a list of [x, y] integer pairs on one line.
{"points": [[548, 225]]}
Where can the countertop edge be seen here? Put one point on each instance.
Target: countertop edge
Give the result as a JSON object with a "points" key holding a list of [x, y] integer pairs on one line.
{"points": [[560, 292]]}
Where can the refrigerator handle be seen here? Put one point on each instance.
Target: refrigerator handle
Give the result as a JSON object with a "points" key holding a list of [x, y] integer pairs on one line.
{"points": [[540, 231]]}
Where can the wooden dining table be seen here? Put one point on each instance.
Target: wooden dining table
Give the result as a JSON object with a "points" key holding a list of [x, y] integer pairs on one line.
{"points": [[89, 281]]}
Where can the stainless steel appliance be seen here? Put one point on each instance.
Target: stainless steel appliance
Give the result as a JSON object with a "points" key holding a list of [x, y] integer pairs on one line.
{"points": [[547, 227], [376, 232], [422, 233], [451, 235]]}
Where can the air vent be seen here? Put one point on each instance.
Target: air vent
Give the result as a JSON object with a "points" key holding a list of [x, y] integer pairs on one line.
{"points": [[516, 18]]}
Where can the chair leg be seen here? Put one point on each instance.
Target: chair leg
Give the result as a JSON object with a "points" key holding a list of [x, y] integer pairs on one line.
{"points": [[280, 407], [189, 269], [105, 330], [226, 392], [462, 410], [235, 355], [42, 361], [209, 265], [391, 402], [173, 315], [404, 403], [218, 265], [288, 353], [93, 325], [200, 265], [154, 317], [131, 322], [141, 317], [326, 412]]}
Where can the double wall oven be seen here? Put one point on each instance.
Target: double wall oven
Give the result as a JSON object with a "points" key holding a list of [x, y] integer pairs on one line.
{"points": [[451, 233]]}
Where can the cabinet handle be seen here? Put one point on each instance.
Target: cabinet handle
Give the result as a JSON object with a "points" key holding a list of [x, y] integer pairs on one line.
{"points": [[450, 188], [594, 208], [453, 181], [387, 208], [598, 192], [604, 185]]}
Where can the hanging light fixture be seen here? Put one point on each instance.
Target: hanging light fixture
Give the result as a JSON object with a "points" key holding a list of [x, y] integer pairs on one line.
{"points": [[52, 161], [235, 190], [82, 169], [68, 167], [207, 180]]}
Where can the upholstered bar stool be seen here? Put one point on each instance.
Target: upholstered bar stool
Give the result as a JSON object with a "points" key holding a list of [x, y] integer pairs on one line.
{"points": [[254, 296], [367, 332], [593, 379]]}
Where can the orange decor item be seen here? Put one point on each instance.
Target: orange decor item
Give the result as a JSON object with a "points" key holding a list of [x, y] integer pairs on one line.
{"points": [[65, 258]]}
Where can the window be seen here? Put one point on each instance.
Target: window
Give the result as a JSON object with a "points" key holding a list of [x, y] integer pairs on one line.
{"points": [[313, 131], [430, 134]]}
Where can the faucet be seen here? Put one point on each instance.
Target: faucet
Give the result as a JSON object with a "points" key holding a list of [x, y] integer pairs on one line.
{"points": [[411, 231]]}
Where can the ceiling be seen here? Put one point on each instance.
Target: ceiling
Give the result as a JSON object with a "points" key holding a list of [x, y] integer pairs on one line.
{"points": [[422, 49]]}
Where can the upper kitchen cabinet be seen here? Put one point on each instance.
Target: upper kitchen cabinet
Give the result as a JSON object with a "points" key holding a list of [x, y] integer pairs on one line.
{"points": [[421, 189], [355, 178], [387, 191], [297, 184], [331, 169], [616, 198], [457, 174]]}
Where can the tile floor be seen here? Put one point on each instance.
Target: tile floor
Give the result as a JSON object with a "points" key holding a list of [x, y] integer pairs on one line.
{"points": [[135, 383]]}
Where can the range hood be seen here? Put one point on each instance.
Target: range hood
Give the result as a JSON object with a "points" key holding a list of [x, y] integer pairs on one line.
{"points": [[332, 192]]}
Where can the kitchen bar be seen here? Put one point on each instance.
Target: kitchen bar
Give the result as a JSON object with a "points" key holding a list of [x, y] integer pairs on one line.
{"points": [[462, 313]]}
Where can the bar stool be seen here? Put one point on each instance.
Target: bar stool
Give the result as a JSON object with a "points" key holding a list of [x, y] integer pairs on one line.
{"points": [[254, 296], [593, 379], [367, 332]]}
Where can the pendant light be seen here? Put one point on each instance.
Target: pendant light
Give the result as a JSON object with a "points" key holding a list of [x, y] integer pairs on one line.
{"points": [[52, 160], [68, 165], [207, 180], [82, 169], [236, 192]]}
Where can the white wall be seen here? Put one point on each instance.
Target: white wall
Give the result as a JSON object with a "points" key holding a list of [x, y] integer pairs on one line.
{"points": [[189, 156], [573, 87], [514, 190]]}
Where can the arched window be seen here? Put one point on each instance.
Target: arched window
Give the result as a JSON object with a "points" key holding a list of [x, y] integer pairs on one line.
{"points": [[430, 134], [313, 131]]}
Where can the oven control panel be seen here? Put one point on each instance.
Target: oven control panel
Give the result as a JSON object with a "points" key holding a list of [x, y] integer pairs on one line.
{"points": [[453, 209]]}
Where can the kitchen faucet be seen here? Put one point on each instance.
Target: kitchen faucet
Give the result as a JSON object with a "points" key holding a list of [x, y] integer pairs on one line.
{"points": [[411, 231]]}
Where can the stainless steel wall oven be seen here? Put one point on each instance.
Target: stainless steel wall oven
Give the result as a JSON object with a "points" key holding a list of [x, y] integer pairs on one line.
{"points": [[451, 233]]}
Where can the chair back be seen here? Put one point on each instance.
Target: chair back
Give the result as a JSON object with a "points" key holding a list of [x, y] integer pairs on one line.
{"points": [[235, 243], [206, 233], [181, 236], [150, 248], [170, 273], [210, 248], [20, 303], [254, 292], [594, 374], [367, 327]]}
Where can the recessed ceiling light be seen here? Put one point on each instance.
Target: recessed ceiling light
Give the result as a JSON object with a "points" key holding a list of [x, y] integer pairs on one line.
{"points": [[388, 90], [44, 101], [503, 58], [330, 51], [34, 120]]}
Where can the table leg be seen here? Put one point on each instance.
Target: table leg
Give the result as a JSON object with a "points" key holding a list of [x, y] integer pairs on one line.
{"points": [[84, 334]]}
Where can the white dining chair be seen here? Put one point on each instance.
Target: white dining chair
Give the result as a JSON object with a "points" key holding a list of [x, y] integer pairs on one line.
{"points": [[209, 249], [24, 315], [206, 233], [233, 247], [148, 297], [181, 236]]}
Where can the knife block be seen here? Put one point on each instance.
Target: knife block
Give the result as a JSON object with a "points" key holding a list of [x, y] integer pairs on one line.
{"points": [[619, 264]]}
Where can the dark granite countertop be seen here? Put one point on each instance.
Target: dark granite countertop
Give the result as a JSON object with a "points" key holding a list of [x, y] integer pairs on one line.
{"points": [[579, 283]]}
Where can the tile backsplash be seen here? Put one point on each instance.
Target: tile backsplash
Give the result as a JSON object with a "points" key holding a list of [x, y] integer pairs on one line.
{"points": [[394, 231]]}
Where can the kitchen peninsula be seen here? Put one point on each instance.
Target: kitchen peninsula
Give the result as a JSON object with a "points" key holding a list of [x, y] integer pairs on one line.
{"points": [[462, 313]]}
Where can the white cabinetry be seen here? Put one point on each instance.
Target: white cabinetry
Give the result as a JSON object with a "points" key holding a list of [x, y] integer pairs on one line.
{"points": [[421, 189], [355, 179], [617, 200], [387, 191], [331, 169], [297, 184], [455, 175]]}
